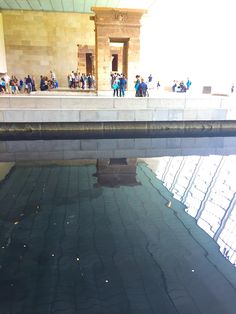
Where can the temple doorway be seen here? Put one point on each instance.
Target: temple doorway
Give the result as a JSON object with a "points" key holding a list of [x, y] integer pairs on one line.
{"points": [[89, 64], [119, 55]]}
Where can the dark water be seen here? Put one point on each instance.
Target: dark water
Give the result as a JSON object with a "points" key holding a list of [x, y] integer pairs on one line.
{"points": [[118, 235]]}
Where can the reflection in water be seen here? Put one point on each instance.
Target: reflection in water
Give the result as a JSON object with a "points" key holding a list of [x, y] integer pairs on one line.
{"points": [[116, 172], [82, 238], [116, 148], [206, 185]]}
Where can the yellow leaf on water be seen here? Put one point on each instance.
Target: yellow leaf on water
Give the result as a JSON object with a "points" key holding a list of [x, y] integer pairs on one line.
{"points": [[169, 204]]}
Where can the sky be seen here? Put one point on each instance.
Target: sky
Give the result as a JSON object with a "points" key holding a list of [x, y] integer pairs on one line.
{"points": [[194, 39]]}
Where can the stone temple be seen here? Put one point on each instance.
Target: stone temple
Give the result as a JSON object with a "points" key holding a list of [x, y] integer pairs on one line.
{"points": [[95, 37]]}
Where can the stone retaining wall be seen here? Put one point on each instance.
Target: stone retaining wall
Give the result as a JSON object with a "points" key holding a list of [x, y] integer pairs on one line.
{"points": [[98, 109]]}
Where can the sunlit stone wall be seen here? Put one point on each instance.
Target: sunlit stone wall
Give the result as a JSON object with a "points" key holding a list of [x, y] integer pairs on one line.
{"points": [[37, 42], [3, 66]]}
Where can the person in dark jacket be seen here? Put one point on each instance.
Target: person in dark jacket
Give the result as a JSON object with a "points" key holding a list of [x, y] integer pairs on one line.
{"points": [[122, 85], [142, 89], [28, 82], [90, 81]]}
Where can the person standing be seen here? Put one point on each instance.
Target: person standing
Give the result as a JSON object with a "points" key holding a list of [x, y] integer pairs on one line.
{"points": [[28, 83], [122, 84], [150, 78], [53, 78], [7, 83], [232, 88], [142, 89], [90, 81], [188, 83], [174, 86], [82, 81], [2, 86], [115, 87], [136, 86], [72, 79]]}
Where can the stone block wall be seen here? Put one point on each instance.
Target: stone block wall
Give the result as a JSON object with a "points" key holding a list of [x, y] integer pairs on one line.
{"points": [[37, 42]]}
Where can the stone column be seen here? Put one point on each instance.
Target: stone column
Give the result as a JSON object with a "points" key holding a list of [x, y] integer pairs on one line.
{"points": [[3, 63], [121, 26]]}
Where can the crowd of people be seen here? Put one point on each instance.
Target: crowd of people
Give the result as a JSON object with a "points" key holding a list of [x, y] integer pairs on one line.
{"points": [[141, 86], [118, 81], [13, 85], [181, 87], [118, 84], [48, 83], [77, 80]]}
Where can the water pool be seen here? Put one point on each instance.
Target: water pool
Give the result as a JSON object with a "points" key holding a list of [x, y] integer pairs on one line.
{"points": [[118, 235]]}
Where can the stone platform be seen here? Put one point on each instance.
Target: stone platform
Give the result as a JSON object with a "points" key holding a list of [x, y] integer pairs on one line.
{"points": [[173, 111], [40, 108]]}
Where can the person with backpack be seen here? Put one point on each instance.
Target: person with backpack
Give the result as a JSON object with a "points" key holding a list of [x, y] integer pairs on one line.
{"points": [[122, 85]]}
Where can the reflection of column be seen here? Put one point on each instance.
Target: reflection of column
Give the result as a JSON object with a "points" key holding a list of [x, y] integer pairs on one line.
{"points": [[3, 64], [166, 169], [225, 217], [191, 181], [209, 189], [177, 174]]}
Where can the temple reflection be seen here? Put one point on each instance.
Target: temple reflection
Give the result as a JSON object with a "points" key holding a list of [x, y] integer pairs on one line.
{"points": [[203, 184], [114, 172]]}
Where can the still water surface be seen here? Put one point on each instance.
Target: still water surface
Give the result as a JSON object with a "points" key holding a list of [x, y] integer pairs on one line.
{"points": [[118, 235]]}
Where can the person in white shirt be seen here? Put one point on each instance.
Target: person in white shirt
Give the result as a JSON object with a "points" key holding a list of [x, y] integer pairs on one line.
{"points": [[53, 78], [7, 82]]}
